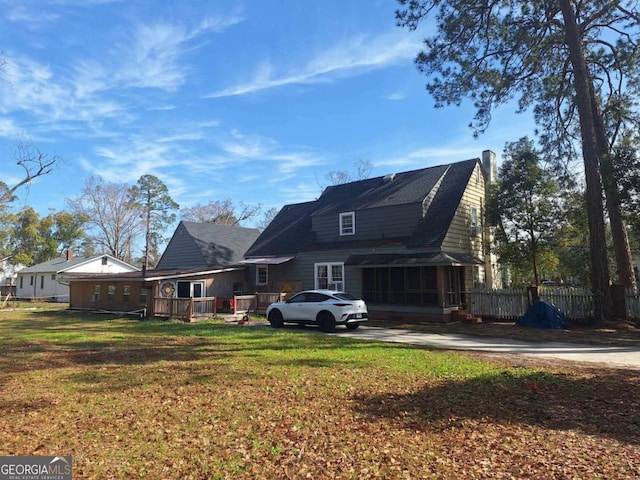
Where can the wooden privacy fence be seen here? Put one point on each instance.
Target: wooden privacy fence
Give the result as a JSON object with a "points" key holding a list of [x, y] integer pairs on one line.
{"points": [[574, 303]]}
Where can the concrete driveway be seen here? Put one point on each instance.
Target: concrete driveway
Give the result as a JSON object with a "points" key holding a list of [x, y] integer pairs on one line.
{"points": [[602, 354]]}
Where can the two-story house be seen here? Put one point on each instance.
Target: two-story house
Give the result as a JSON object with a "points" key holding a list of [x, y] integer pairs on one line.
{"points": [[410, 244]]}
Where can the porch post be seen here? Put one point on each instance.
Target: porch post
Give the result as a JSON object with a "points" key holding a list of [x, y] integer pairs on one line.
{"points": [[441, 285]]}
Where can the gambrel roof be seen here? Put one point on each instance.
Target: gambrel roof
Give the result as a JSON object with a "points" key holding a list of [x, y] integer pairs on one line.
{"points": [[197, 245], [439, 189]]}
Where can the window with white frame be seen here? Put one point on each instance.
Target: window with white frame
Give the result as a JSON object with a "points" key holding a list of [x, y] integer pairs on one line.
{"points": [[348, 223], [473, 216], [329, 276], [262, 274], [474, 221]]}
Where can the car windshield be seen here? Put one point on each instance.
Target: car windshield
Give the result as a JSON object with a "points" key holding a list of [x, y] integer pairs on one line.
{"points": [[345, 296]]}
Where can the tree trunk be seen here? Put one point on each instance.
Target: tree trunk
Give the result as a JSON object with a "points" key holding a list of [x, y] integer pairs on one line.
{"points": [[622, 249], [624, 261], [597, 242]]}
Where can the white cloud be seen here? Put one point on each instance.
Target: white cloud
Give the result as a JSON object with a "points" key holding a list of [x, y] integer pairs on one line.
{"points": [[31, 18], [8, 128], [153, 52], [396, 96], [357, 55]]}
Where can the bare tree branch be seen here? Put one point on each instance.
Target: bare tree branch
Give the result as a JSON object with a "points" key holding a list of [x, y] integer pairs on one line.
{"points": [[34, 163]]}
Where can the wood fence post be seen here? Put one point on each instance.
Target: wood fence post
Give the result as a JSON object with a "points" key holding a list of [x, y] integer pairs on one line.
{"points": [[533, 294], [618, 299]]}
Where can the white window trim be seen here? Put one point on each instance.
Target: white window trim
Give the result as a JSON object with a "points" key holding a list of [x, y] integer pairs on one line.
{"points": [[203, 288], [474, 219], [351, 215], [258, 268], [330, 282]]}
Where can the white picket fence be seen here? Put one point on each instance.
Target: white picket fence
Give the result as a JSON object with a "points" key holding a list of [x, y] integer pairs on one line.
{"points": [[512, 303], [632, 301], [574, 303], [503, 304]]}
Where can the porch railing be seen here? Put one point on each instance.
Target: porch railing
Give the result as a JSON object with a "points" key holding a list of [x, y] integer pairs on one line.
{"points": [[257, 303], [184, 308]]}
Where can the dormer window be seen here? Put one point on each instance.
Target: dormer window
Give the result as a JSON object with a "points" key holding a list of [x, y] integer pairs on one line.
{"points": [[348, 223]]}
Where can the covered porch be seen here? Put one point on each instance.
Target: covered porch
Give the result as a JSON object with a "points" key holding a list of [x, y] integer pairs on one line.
{"points": [[428, 285]]}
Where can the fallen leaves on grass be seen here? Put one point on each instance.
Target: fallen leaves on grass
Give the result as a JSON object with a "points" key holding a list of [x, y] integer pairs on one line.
{"points": [[188, 406]]}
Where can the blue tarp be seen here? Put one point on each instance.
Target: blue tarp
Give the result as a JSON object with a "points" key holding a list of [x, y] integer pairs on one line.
{"points": [[543, 315]]}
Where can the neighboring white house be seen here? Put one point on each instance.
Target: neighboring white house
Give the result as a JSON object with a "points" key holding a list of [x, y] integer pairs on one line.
{"points": [[48, 279], [8, 275]]}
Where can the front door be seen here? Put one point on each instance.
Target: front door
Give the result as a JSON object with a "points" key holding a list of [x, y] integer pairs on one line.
{"points": [[190, 289]]}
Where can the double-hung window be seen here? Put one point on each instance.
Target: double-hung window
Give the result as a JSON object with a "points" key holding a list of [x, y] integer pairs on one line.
{"points": [[348, 223], [262, 275], [329, 276]]}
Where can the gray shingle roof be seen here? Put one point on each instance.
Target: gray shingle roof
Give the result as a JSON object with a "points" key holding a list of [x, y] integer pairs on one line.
{"points": [[206, 245], [433, 227], [406, 187], [291, 230]]}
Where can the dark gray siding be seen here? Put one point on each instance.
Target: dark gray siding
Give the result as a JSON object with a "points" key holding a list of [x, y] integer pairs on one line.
{"points": [[371, 224], [302, 268]]}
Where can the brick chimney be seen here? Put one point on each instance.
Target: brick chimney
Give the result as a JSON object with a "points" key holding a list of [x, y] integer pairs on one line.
{"points": [[69, 255], [490, 165]]}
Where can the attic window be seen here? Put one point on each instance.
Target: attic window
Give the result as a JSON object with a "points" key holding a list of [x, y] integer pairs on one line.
{"points": [[348, 223], [104, 260]]}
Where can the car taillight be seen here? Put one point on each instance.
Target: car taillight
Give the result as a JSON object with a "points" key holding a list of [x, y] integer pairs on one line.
{"points": [[341, 304]]}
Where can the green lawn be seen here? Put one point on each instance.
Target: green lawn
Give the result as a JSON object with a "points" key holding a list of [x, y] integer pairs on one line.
{"points": [[164, 399]]}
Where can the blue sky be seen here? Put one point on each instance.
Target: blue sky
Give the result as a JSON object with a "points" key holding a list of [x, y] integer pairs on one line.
{"points": [[255, 100]]}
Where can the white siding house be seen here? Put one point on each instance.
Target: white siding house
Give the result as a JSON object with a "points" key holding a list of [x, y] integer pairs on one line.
{"points": [[8, 276], [48, 280]]}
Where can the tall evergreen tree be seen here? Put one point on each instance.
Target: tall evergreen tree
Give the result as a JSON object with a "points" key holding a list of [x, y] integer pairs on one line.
{"points": [[152, 196], [575, 62], [525, 205]]}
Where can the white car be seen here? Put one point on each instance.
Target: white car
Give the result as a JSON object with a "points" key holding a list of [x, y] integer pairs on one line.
{"points": [[326, 308]]}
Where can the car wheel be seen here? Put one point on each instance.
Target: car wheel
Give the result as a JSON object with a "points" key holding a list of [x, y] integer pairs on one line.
{"points": [[352, 326], [275, 319], [326, 322]]}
